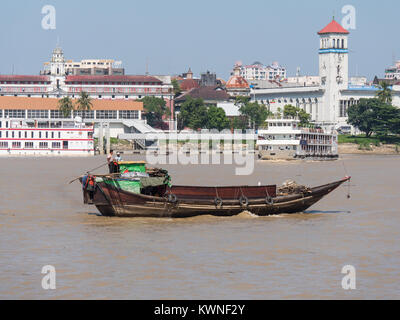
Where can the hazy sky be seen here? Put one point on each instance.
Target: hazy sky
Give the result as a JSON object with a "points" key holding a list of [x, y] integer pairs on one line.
{"points": [[203, 34]]}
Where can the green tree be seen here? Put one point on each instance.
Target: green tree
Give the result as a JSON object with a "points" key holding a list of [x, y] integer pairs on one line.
{"points": [[155, 110], [193, 114], [217, 119], [177, 88], [373, 115], [385, 93], [304, 118], [297, 113], [255, 113], [84, 103], [290, 111], [66, 106], [241, 100], [239, 123]]}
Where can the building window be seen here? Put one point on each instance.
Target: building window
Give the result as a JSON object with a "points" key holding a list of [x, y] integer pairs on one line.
{"points": [[129, 114], [56, 145], [38, 114], [3, 145], [16, 145], [43, 145], [56, 114], [84, 114], [106, 114], [28, 145], [16, 114]]}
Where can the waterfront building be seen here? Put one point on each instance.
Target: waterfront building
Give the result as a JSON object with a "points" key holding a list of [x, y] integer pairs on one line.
{"points": [[122, 116], [329, 100], [57, 83]]}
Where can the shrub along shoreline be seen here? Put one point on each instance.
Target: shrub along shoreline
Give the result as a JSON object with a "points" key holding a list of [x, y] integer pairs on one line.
{"points": [[369, 145]]}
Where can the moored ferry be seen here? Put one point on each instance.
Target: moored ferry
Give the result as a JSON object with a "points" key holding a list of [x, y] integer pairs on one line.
{"points": [[284, 139], [46, 138]]}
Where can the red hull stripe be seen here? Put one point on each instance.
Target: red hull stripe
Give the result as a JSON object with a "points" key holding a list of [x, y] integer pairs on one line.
{"points": [[44, 129], [47, 150], [44, 140]]}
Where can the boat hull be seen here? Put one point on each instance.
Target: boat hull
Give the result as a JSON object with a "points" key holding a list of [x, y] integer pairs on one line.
{"points": [[112, 201]]}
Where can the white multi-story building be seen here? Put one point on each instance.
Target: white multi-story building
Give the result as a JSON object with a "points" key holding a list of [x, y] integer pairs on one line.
{"points": [[56, 83], [120, 116], [327, 101], [258, 71]]}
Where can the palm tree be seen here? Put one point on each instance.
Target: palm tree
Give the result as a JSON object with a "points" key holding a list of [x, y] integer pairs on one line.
{"points": [[65, 106], [384, 93], [84, 103]]}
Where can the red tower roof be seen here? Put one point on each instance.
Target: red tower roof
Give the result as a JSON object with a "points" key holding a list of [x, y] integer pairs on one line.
{"points": [[333, 27], [237, 82]]}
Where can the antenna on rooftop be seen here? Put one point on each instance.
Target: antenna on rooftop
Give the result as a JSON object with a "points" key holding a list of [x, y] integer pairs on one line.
{"points": [[147, 66]]}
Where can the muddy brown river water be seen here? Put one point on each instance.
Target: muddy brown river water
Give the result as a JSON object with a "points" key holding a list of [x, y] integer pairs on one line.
{"points": [[43, 222]]}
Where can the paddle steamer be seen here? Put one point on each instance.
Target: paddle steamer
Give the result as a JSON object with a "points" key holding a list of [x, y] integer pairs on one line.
{"points": [[284, 139]]}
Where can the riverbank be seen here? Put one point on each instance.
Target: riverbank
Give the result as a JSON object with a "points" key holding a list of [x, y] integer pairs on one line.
{"points": [[352, 148]]}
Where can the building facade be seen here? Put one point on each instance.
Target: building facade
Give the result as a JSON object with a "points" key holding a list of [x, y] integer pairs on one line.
{"points": [[123, 116], [258, 71], [328, 100], [56, 82]]}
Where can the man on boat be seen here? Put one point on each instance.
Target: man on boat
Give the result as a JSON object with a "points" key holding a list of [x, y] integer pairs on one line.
{"points": [[118, 158], [110, 161]]}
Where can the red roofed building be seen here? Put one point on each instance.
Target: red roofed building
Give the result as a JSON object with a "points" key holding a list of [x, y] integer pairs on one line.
{"points": [[237, 85], [333, 27], [189, 84]]}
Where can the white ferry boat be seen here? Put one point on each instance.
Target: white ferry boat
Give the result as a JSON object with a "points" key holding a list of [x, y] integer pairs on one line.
{"points": [[284, 139], [46, 138]]}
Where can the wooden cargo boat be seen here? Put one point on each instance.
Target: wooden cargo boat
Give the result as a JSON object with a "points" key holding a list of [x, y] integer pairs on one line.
{"points": [[116, 195]]}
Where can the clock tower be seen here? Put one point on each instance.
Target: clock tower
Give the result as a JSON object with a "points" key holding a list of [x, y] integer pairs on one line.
{"points": [[333, 67], [57, 67]]}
